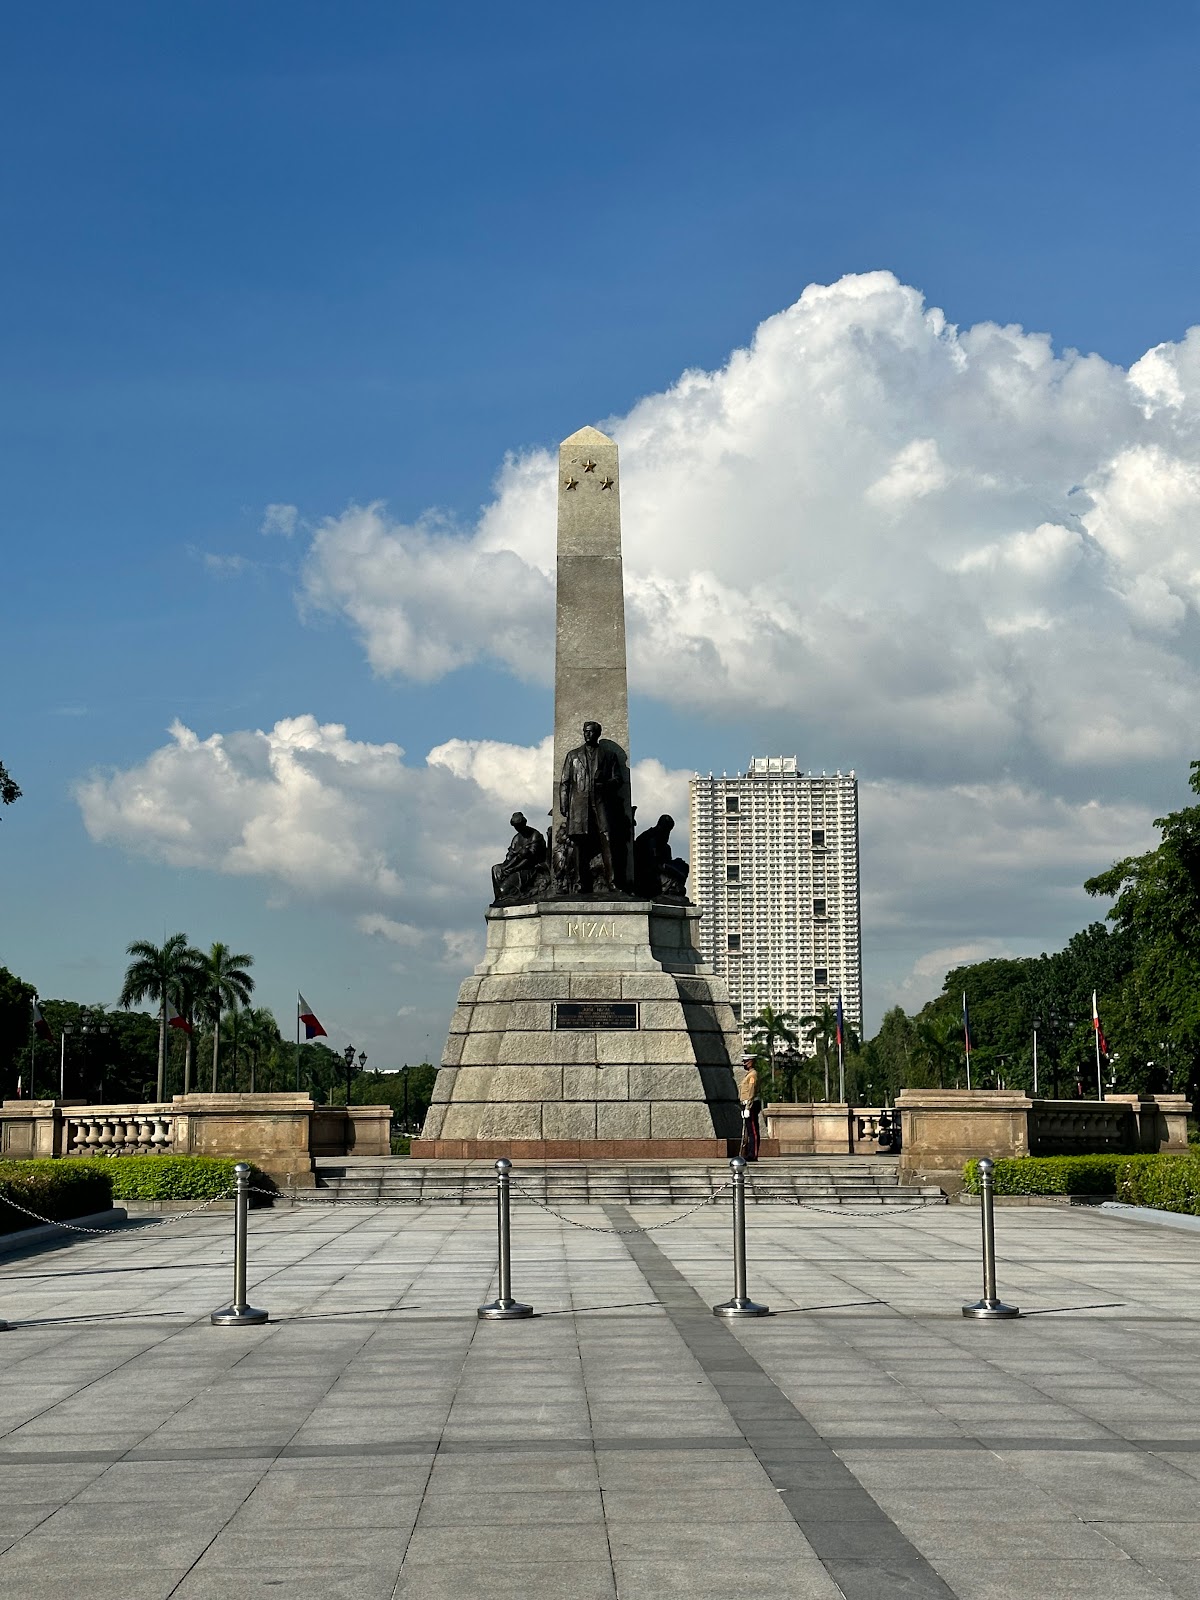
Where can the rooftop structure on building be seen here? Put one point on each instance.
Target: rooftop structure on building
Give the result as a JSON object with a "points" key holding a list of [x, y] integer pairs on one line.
{"points": [[775, 871]]}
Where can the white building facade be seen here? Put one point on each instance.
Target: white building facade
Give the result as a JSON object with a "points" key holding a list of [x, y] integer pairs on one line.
{"points": [[775, 871]]}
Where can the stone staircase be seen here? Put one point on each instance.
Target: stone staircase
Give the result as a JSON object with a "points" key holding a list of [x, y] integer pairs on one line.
{"points": [[822, 1180]]}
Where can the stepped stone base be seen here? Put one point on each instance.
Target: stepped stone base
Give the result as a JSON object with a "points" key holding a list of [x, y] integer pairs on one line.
{"points": [[582, 1149], [531, 1068]]}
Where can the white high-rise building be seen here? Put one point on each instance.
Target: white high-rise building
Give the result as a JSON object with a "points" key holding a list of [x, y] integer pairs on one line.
{"points": [[775, 871]]}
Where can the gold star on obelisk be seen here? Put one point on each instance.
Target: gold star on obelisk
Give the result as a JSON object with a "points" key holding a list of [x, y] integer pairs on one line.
{"points": [[606, 483], [589, 466], [571, 483]]}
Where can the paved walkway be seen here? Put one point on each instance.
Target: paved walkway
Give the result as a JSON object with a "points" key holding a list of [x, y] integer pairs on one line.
{"points": [[376, 1440]]}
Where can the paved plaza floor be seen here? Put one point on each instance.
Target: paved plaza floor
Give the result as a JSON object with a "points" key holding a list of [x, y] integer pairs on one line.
{"points": [[376, 1440]]}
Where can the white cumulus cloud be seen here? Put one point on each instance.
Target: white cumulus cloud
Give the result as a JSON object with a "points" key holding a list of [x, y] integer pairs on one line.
{"points": [[932, 538]]}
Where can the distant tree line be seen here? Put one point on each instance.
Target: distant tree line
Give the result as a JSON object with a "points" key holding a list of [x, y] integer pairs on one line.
{"points": [[1142, 961], [203, 1034]]}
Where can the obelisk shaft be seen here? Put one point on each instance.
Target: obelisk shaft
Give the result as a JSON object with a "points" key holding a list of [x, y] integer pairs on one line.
{"points": [[589, 652]]}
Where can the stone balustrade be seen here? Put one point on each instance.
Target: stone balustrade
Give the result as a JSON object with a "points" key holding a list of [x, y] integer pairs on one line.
{"points": [[825, 1128], [281, 1133], [943, 1128], [117, 1132]]}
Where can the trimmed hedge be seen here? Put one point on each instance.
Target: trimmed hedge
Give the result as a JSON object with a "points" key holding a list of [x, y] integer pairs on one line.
{"points": [[171, 1177], [58, 1190], [1168, 1182]]}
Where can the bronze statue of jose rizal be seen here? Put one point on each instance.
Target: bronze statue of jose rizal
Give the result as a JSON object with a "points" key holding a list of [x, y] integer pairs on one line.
{"points": [[591, 798]]}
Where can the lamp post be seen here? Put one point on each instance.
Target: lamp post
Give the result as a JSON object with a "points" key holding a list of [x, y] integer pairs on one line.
{"points": [[89, 1023], [348, 1058], [1037, 1022], [404, 1080]]}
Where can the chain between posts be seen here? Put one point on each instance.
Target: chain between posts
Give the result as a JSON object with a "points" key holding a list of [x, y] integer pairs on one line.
{"points": [[591, 1227], [105, 1233]]}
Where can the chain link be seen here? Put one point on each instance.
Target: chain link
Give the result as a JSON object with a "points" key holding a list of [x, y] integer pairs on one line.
{"points": [[591, 1227], [73, 1227], [293, 1197], [881, 1212]]}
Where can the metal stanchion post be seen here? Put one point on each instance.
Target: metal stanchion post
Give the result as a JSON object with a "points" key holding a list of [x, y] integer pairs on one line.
{"points": [[741, 1305], [989, 1306], [239, 1314], [504, 1308]]}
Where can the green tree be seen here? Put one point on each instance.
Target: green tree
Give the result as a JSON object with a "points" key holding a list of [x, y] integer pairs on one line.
{"points": [[937, 1050], [227, 984], [260, 1040], [387, 1088], [1153, 1020], [159, 973], [16, 1021], [769, 1029], [9, 793], [820, 1031]]}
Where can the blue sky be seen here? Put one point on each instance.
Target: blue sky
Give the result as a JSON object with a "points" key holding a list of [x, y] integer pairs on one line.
{"points": [[322, 257]]}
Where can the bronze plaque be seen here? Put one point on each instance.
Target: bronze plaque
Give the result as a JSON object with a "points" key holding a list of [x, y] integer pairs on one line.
{"points": [[595, 1014]]}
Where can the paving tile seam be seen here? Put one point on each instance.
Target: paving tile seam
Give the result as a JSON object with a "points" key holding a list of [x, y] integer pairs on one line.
{"points": [[373, 1333], [907, 1570]]}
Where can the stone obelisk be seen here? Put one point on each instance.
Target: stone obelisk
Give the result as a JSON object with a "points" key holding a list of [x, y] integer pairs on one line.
{"points": [[589, 642], [592, 1026]]}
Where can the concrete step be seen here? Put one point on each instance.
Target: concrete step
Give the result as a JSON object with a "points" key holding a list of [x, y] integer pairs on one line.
{"points": [[816, 1180]]}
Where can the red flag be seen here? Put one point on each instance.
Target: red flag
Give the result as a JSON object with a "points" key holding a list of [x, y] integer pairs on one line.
{"points": [[40, 1026], [306, 1014], [176, 1019], [1100, 1039]]}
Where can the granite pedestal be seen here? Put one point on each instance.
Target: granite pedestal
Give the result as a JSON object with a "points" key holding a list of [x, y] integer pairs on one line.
{"points": [[591, 1027]]}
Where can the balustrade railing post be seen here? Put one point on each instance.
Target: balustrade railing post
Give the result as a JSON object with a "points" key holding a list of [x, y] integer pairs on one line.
{"points": [[504, 1308], [239, 1314], [741, 1305], [989, 1307]]}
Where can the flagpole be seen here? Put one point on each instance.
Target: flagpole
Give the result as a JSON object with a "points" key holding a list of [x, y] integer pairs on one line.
{"points": [[297, 1044], [1035, 1082], [32, 1043], [967, 1038], [1096, 1031]]}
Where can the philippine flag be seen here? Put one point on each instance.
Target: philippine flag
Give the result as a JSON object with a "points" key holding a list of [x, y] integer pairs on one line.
{"points": [[176, 1019], [967, 1025], [306, 1014], [840, 1021], [40, 1026], [1100, 1039]]}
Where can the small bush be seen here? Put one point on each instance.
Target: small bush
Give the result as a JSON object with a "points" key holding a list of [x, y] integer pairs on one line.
{"points": [[58, 1190], [172, 1177], [1168, 1182], [1050, 1174], [401, 1145]]}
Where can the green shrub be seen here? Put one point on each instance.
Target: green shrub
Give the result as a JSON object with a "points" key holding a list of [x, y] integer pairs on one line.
{"points": [[401, 1145], [1050, 1174], [58, 1190], [172, 1177], [1168, 1182]]}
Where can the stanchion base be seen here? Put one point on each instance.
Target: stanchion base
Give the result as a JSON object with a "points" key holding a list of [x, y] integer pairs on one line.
{"points": [[741, 1308], [233, 1317], [503, 1311], [991, 1310]]}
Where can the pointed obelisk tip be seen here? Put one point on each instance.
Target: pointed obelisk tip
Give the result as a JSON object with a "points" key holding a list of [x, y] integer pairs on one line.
{"points": [[586, 436]]}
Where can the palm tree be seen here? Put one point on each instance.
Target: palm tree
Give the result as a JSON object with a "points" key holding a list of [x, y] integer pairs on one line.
{"points": [[770, 1028], [937, 1046], [227, 984], [159, 973], [820, 1029], [260, 1038]]}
